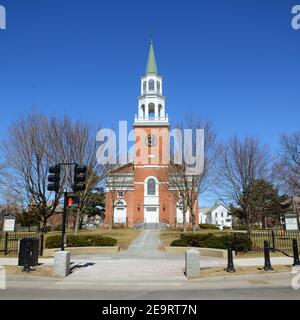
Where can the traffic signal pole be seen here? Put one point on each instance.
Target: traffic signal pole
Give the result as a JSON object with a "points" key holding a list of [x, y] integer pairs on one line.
{"points": [[78, 185], [63, 232]]}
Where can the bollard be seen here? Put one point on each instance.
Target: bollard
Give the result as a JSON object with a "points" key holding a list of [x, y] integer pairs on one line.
{"points": [[6, 244], [296, 253], [273, 242], [268, 266], [230, 266], [62, 262], [192, 263], [42, 245]]}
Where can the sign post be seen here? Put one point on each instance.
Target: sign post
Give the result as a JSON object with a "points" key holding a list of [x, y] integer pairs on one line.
{"points": [[291, 221], [9, 223]]}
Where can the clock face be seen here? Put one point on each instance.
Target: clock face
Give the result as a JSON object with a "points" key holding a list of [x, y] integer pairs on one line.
{"points": [[151, 140]]}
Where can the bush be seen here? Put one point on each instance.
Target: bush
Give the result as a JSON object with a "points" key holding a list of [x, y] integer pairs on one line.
{"points": [[241, 243], [240, 227], [81, 241], [57, 227], [208, 226], [226, 228]]}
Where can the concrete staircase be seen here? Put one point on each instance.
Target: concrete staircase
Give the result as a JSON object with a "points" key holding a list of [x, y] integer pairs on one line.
{"points": [[151, 226]]}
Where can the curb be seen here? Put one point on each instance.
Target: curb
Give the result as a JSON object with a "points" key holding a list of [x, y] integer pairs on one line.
{"points": [[267, 276]]}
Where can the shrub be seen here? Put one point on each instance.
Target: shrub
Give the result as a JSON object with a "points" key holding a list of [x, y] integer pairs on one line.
{"points": [[226, 228], [241, 243], [208, 226], [81, 241], [179, 243], [240, 227], [57, 227]]}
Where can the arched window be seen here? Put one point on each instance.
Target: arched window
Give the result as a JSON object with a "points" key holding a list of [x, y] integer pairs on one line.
{"points": [[144, 86], [151, 187], [151, 110], [158, 86], [143, 110], [160, 109], [151, 85]]}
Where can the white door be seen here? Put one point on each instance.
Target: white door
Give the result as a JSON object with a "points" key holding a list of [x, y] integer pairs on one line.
{"points": [[120, 215], [151, 215]]}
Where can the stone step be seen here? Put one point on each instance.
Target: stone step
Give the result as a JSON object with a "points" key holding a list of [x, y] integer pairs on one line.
{"points": [[151, 226]]}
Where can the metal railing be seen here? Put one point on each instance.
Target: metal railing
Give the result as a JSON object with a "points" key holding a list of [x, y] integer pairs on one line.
{"points": [[9, 241], [280, 240]]}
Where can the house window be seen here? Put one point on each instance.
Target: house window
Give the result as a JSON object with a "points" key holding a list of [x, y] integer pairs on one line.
{"points": [[144, 86], [222, 214], [151, 187]]}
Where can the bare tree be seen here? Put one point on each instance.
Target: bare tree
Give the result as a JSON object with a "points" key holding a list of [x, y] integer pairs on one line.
{"points": [[185, 181], [287, 169], [75, 142], [242, 163], [36, 142], [27, 159]]}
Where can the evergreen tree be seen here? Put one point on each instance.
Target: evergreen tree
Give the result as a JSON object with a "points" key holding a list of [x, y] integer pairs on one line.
{"points": [[264, 202]]}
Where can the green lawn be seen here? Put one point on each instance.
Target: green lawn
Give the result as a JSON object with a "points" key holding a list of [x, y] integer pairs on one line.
{"points": [[124, 236]]}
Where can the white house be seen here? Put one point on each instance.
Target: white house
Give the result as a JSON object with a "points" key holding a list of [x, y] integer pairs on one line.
{"points": [[218, 215], [203, 215]]}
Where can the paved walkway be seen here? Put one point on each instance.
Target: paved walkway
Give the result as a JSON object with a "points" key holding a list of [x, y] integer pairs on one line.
{"points": [[141, 262], [146, 245]]}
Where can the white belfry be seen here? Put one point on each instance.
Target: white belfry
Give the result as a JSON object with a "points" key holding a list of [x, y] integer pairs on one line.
{"points": [[151, 102]]}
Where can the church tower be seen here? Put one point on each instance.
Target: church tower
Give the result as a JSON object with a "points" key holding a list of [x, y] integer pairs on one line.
{"points": [[152, 154], [151, 110], [151, 124]]}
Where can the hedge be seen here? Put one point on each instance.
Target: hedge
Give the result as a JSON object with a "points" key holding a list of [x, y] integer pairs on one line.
{"points": [[208, 226], [81, 241], [243, 244], [240, 227]]}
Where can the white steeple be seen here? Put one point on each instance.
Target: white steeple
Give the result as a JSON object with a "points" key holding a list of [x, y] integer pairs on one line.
{"points": [[151, 110]]}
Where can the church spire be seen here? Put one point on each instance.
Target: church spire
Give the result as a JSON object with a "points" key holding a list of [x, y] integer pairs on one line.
{"points": [[151, 110], [151, 65]]}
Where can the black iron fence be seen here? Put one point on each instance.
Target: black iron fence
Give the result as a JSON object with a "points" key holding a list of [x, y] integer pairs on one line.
{"points": [[280, 240], [9, 241]]}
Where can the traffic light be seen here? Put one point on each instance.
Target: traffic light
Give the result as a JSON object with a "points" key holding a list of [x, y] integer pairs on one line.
{"points": [[54, 178], [79, 178], [72, 201]]}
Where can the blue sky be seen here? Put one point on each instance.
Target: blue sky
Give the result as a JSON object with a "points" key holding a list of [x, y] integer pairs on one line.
{"points": [[236, 63]]}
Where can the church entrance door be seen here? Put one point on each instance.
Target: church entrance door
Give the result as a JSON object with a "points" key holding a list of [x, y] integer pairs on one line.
{"points": [[151, 214]]}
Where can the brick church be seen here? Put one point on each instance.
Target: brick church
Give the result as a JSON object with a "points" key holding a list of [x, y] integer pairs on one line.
{"points": [[142, 185]]}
